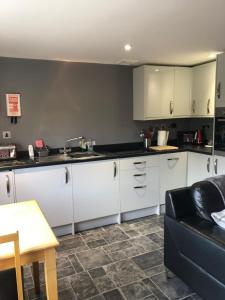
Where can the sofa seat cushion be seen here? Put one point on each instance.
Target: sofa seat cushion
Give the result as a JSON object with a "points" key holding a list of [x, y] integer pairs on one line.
{"points": [[201, 242], [207, 199]]}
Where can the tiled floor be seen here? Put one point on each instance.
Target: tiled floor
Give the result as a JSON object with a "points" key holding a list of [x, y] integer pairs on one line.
{"points": [[114, 263]]}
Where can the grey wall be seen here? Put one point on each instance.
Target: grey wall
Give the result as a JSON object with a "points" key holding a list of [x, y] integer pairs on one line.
{"points": [[61, 100]]}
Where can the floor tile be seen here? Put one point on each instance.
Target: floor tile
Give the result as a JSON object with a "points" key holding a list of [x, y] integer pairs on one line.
{"points": [[71, 243], [115, 234], [63, 262], [154, 289], [83, 286], [93, 258], [96, 273], [156, 238], [148, 260], [118, 246], [63, 283], [67, 294], [104, 284], [132, 233], [154, 270], [173, 288], [113, 295], [76, 264], [136, 290], [118, 255], [124, 272], [96, 243]]}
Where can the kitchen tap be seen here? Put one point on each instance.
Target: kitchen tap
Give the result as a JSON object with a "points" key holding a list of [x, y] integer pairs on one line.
{"points": [[71, 140]]}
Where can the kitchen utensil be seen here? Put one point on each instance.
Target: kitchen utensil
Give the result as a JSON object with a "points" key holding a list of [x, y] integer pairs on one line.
{"points": [[162, 137], [7, 152], [198, 137]]}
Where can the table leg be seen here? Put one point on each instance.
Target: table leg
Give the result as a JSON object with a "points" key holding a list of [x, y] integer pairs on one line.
{"points": [[50, 274], [36, 277]]}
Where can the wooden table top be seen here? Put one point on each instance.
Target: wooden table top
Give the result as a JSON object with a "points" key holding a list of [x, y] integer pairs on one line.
{"points": [[34, 231]]}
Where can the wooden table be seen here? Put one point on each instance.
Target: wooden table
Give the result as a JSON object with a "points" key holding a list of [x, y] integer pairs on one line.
{"points": [[37, 241]]}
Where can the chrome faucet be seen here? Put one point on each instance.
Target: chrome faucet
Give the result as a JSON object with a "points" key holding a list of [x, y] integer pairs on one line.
{"points": [[71, 140]]}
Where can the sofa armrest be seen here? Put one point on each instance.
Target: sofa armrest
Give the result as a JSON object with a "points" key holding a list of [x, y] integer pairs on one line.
{"points": [[179, 203]]}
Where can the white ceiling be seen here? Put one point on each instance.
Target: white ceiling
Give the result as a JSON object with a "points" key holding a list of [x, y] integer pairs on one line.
{"points": [[167, 31]]}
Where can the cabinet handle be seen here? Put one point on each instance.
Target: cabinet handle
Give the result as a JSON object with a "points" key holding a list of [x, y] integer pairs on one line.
{"points": [[140, 187], [193, 106], [66, 175], [139, 162], [115, 169], [208, 106], [174, 158], [7, 184], [138, 175], [171, 107], [215, 165], [218, 91], [208, 165]]}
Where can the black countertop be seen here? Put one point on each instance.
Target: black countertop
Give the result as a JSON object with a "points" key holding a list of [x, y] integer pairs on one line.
{"points": [[106, 153]]}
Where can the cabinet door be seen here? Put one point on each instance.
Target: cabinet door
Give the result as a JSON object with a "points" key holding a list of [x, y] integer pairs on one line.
{"points": [[219, 165], [51, 187], [203, 97], [95, 190], [173, 169], [159, 91], [6, 187], [200, 166], [220, 80], [182, 91]]}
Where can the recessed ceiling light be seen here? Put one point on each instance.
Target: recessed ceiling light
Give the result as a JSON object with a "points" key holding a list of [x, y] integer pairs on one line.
{"points": [[127, 47], [156, 70]]}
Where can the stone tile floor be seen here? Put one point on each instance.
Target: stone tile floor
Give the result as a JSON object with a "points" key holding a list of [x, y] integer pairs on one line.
{"points": [[116, 262]]}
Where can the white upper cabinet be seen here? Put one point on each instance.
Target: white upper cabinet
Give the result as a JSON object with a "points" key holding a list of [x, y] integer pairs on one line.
{"points": [[161, 92], [152, 92], [203, 90], [220, 80], [182, 92]]}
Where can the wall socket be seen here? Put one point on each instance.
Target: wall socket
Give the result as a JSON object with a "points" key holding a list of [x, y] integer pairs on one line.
{"points": [[6, 134]]}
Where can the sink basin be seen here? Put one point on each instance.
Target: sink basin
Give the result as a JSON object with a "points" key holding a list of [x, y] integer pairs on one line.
{"points": [[84, 155]]}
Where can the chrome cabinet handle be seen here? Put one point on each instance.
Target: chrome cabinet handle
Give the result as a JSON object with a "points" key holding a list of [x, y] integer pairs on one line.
{"points": [[215, 165], [174, 158], [139, 162], [115, 169], [218, 91], [193, 106], [138, 175], [7, 184], [140, 187], [66, 175], [208, 165], [208, 106], [171, 107]]}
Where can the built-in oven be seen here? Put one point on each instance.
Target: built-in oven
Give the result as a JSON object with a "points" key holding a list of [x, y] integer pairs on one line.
{"points": [[219, 133]]}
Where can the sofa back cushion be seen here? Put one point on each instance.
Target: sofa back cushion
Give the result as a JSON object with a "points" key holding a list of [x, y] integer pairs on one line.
{"points": [[207, 199]]}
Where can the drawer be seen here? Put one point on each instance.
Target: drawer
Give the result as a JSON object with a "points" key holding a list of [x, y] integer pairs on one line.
{"points": [[134, 197], [139, 163], [133, 177]]}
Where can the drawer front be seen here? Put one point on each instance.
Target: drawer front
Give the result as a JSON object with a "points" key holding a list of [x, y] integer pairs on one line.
{"points": [[134, 190], [137, 164]]}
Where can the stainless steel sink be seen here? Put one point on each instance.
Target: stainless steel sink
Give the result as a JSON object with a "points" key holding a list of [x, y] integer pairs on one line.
{"points": [[84, 155]]}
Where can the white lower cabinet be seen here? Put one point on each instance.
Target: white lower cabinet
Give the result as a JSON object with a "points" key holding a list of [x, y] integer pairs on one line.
{"points": [[139, 183], [51, 186], [200, 167], [219, 165], [95, 189], [6, 187], [173, 172]]}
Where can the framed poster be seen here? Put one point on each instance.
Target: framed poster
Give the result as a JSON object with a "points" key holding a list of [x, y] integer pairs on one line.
{"points": [[13, 105]]}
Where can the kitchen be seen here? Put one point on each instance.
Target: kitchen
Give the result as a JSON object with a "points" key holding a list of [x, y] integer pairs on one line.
{"points": [[110, 108]]}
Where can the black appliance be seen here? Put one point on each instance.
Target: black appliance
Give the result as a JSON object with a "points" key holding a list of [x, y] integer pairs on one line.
{"points": [[219, 133]]}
